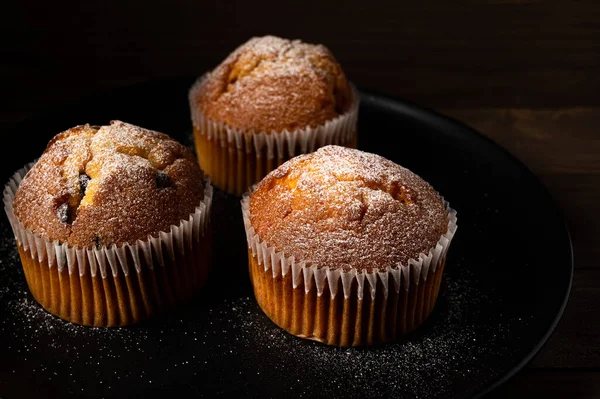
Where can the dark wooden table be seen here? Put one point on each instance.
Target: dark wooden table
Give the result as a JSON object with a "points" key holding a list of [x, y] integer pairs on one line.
{"points": [[524, 72]]}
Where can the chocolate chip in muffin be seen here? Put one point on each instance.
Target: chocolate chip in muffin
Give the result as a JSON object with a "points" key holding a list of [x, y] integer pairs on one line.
{"points": [[163, 180], [63, 213], [96, 240], [84, 180]]}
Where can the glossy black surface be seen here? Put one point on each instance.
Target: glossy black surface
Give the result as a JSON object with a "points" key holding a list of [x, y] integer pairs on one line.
{"points": [[507, 280]]}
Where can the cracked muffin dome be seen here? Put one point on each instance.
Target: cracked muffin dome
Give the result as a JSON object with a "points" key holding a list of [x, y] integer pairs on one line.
{"points": [[271, 84], [344, 208], [98, 186]]}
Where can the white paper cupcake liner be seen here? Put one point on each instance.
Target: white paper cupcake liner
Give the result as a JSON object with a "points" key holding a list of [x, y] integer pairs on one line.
{"points": [[414, 272], [114, 259], [341, 130]]}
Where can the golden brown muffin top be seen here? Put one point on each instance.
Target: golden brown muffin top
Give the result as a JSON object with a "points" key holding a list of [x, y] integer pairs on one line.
{"points": [[340, 207], [96, 186], [271, 84]]}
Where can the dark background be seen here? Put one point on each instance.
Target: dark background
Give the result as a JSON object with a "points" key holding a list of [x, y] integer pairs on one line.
{"points": [[524, 72]]}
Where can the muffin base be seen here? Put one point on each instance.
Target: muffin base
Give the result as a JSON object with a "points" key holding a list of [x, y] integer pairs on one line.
{"points": [[337, 320], [231, 169], [117, 299], [234, 170]]}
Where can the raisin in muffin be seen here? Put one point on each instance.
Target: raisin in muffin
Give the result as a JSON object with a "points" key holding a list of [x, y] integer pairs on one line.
{"points": [[346, 247], [268, 101], [111, 224]]}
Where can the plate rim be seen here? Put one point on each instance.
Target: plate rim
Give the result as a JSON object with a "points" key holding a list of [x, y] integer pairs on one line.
{"points": [[420, 112]]}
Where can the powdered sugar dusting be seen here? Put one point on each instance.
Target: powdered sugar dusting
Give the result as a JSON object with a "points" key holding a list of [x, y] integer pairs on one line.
{"points": [[277, 56], [222, 345], [121, 200], [340, 207], [443, 356], [271, 84]]}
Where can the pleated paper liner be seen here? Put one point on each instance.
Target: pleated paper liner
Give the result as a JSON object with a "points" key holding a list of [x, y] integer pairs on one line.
{"points": [[345, 308], [236, 159], [117, 285]]}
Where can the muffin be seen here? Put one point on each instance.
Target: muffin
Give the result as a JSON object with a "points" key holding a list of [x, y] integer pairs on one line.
{"points": [[269, 100], [346, 247], [111, 224]]}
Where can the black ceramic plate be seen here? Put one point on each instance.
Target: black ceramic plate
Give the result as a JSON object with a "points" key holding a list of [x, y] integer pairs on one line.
{"points": [[508, 277]]}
